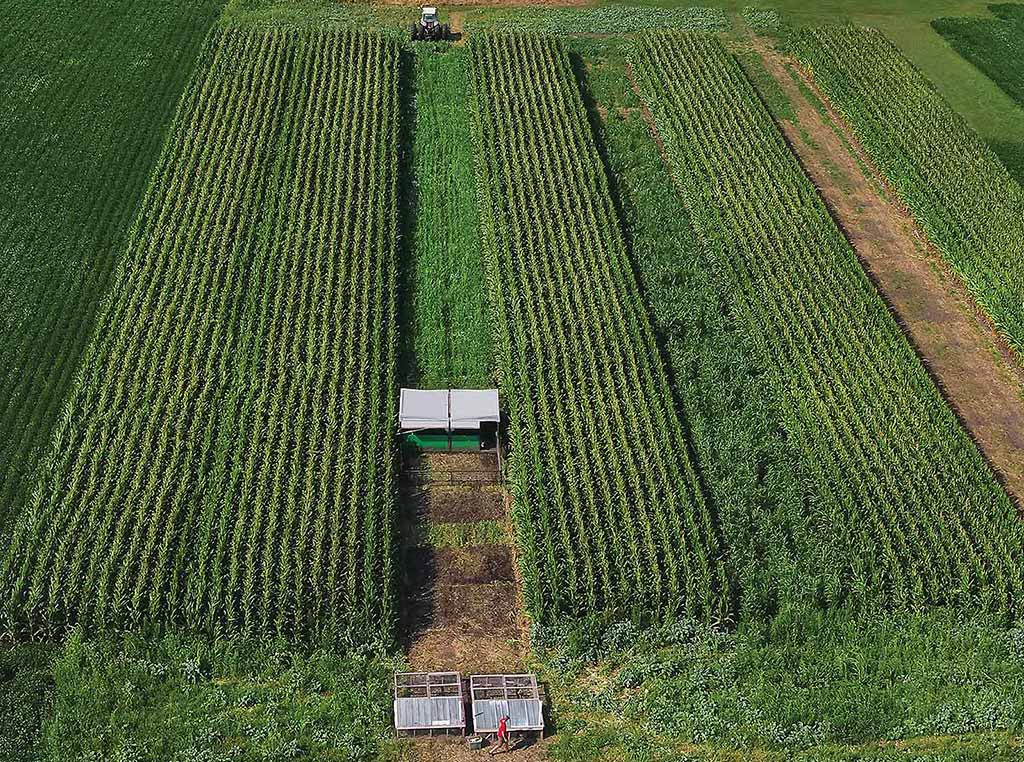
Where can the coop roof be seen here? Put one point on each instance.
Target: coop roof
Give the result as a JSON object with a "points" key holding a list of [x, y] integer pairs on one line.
{"points": [[423, 409], [468, 408], [447, 408]]}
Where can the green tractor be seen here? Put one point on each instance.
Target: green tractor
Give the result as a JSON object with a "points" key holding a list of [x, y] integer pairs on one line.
{"points": [[429, 28]]}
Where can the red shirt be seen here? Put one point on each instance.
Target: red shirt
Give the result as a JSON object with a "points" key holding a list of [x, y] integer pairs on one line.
{"points": [[502, 728]]}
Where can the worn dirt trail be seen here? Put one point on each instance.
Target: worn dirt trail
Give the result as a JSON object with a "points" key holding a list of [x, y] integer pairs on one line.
{"points": [[462, 609], [972, 365], [461, 606]]}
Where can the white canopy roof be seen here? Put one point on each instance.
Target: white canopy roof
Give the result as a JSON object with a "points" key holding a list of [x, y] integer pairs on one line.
{"points": [[468, 408], [447, 408], [423, 409]]}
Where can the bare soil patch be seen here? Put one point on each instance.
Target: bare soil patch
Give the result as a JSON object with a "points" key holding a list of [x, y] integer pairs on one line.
{"points": [[471, 653], [479, 608], [480, 564], [461, 605], [970, 362], [464, 505], [462, 461]]}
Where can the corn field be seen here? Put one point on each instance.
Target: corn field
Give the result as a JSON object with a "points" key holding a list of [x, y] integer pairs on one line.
{"points": [[226, 460], [86, 95], [610, 516], [903, 504], [955, 186]]}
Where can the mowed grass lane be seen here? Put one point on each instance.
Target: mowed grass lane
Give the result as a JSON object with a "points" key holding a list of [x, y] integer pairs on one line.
{"points": [[451, 327]]}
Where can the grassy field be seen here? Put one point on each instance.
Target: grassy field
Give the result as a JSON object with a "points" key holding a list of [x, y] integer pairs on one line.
{"points": [[189, 698], [993, 45], [452, 329]]}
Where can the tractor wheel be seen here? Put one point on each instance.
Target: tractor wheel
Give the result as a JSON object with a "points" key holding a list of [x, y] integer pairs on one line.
{"points": [[446, 32], [415, 31]]}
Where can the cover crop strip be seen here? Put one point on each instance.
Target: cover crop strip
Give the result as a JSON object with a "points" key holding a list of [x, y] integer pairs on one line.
{"points": [[957, 189], [748, 462], [452, 330], [609, 513], [88, 90], [905, 507], [227, 460]]}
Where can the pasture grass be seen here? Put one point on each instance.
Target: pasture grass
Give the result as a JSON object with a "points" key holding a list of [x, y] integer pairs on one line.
{"points": [[195, 699], [26, 699], [994, 46], [440, 535]]}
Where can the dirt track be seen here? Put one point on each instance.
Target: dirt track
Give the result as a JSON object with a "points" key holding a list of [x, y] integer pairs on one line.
{"points": [[461, 603], [970, 362]]}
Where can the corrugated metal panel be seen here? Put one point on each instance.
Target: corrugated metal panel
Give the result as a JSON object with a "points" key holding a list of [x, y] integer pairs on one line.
{"points": [[523, 714], [429, 713]]}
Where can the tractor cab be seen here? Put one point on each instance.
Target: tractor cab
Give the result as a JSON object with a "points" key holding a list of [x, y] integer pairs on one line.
{"points": [[429, 27]]}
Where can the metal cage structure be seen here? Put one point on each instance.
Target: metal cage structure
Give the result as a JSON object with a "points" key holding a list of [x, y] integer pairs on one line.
{"points": [[429, 703], [495, 696]]}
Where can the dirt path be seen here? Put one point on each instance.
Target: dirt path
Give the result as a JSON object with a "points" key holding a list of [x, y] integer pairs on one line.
{"points": [[462, 605], [970, 362], [461, 600]]}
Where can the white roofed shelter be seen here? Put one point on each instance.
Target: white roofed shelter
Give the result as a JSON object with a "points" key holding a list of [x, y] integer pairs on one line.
{"points": [[423, 409], [515, 696], [469, 408], [449, 419], [429, 702]]}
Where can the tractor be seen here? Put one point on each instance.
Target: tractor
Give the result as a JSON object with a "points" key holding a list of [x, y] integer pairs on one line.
{"points": [[429, 27]]}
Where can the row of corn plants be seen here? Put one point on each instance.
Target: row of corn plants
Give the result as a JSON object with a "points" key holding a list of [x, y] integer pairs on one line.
{"points": [[226, 462], [905, 507], [451, 326], [609, 514], [88, 90], [955, 186]]}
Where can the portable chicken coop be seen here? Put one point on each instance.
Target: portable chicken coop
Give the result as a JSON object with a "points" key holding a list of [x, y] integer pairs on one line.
{"points": [[515, 696], [429, 703], [449, 419]]}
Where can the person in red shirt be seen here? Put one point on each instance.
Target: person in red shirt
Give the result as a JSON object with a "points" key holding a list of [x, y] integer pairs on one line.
{"points": [[502, 737]]}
